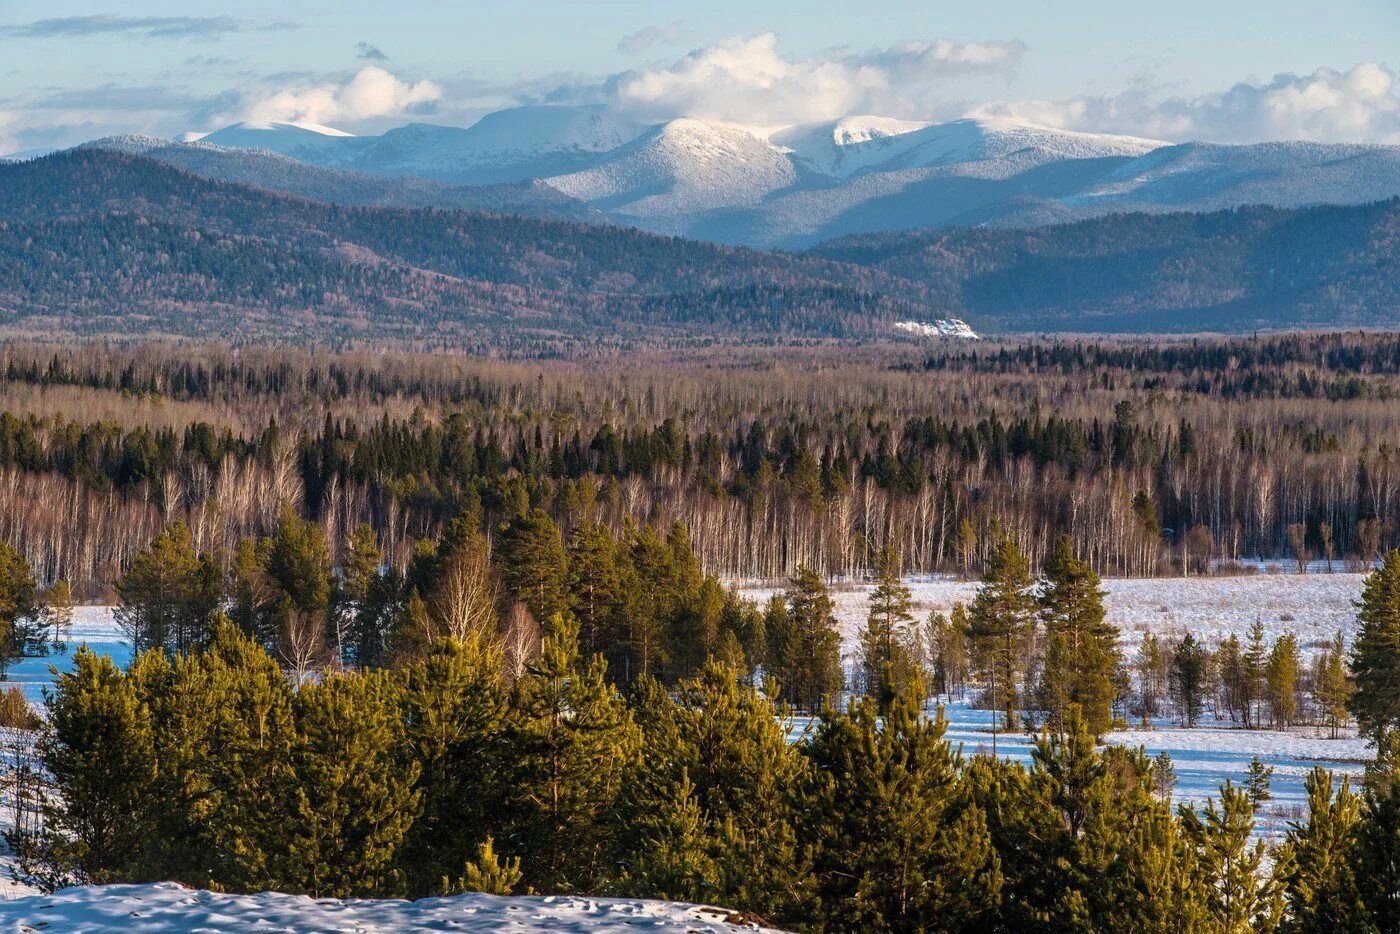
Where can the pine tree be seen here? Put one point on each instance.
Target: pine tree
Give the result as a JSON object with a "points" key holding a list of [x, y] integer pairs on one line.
{"points": [[594, 588], [455, 713], [1255, 670], [1188, 678], [1375, 655], [912, 855], [1002, 621], [355, 797], [488, 874], [1377, 852], [533, 563], [807, 645], [363, 602], [21, 630], [1332, 685], [574, 740], [1081, 654], [709, 814], [59, 603], [1151, 665], [100, 753], [1281, 681], [1258, 779], [1239, 897], [889, 668], [1315, 863]]}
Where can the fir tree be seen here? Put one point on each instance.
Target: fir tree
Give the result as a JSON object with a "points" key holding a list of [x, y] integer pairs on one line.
{"points": [[1375, 655]]}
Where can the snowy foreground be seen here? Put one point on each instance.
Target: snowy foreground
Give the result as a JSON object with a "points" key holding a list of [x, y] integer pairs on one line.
{"points": [[168, 906]]}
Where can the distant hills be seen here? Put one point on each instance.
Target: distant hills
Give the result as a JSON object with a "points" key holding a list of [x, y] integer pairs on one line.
{"points": [[791, 187], [102, 241]]}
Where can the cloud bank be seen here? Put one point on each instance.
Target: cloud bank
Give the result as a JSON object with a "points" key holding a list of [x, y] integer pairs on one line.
{"points": [[747, 79], [372, 92], [148, 27], [1361, 105]]}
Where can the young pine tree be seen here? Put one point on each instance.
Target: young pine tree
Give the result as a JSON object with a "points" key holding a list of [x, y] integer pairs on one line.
{"points": [[912, 855], [355, 796], [573, 739], [1281, 681], [100, 753], [1315, 864], [888, 664], [1375, 655], [1081, 654], [1002, 624], [1332, 684]]}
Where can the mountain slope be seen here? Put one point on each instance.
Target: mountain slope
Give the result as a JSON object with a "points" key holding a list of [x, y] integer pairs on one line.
{"points": [[103, 241], [802, 185], [277, 172], [1232, 270]]}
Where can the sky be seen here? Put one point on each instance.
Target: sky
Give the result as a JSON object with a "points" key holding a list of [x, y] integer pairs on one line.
{"points": [[1218, 70]]}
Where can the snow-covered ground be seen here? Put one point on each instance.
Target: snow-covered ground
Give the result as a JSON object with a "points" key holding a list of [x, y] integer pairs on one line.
{"points": [[92, 626], [1314, 606], [170, 907]]}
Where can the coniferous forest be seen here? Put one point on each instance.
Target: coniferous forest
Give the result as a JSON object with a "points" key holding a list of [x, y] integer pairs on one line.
{"points": [[412, 625]]}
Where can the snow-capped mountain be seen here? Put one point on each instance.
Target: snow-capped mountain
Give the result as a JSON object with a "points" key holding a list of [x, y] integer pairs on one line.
{"points": [[796, 186], [677, 172]]}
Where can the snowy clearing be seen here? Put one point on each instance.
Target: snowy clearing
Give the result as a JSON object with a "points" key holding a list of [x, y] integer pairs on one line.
{"points": [[1312, 606], [92, 626], [168, 906]]}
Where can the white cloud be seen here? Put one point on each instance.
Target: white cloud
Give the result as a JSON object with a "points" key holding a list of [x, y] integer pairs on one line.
{"points": [[746, 79], [372, 92], [8, 143], [1361, 105], [650, 37]]}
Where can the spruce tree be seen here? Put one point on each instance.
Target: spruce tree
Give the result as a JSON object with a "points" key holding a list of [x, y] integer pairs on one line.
{"points": [[1002, 622], [1081, 654], [1189, 679], [1375, 655], [808, 651]]}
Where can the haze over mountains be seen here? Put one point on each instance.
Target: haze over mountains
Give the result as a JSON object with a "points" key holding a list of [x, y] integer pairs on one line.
{"points": [[789, 187]]}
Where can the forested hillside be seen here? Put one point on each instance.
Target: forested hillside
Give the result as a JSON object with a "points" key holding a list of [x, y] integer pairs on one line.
{"points": [[101, 241], [1231, 270], [96, 241]]}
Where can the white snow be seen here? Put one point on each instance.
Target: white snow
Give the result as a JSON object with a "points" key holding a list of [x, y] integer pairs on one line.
{"points": [[943, 327], [170, 907]]}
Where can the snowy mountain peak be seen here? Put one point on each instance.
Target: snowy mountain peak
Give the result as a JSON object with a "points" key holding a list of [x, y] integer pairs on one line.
{"points": [[303, 140]]}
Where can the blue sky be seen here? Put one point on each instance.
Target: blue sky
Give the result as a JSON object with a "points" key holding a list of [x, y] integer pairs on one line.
{"points": [[1230, 70]]}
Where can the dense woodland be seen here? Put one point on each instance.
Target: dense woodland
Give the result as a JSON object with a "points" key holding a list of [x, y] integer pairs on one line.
{"points": [[1155, 458]]}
